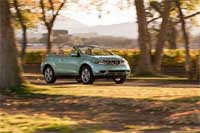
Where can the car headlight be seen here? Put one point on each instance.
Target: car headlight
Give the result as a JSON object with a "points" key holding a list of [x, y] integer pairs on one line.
{"points": [[125, 62], [99, 62]]}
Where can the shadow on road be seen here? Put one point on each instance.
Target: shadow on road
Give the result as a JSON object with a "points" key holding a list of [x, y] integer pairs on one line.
{"points": [[112, 114]]}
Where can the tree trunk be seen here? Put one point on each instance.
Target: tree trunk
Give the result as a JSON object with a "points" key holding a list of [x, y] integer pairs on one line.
{"points": [[50, 22], [188, 66], [162, 36], [24, 30], [144, 67], [24, 45], [9, 67], [172, 34], [49, 40], [198, 68]]}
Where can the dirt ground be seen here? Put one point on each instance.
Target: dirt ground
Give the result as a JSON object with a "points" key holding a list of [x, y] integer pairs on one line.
{"points": [[97, 111]]}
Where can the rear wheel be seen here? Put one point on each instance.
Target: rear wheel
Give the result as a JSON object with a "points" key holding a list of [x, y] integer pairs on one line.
{"points": [[87, 75], [49, 75], [120, 80]]}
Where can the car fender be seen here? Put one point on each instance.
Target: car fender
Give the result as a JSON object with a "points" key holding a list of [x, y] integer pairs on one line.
{"points": [[52, 64], [90, 64]]}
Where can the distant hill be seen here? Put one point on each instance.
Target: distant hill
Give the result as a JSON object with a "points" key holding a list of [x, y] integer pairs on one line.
{"points": [[127, 30], [113, 32]]}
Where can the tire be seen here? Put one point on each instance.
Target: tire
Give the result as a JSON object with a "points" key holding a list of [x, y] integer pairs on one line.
{"points": [[87, 75], [120, 80], [49, 75]]}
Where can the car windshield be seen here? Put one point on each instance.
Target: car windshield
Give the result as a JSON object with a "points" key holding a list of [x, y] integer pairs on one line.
{"points": [[94, 51]]}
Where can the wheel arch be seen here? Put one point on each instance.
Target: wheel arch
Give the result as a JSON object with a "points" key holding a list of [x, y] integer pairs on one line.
{"points": [[83, 65], [45, 66]]}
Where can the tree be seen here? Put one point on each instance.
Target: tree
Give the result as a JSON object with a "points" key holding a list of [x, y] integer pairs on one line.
{"points": [[157, 7], [145, 65], [172, 35], [9, 67], [171, 26], [186, 39], [162, 36], [24, 17], [172, 23], [50, 11], [24, 29]]}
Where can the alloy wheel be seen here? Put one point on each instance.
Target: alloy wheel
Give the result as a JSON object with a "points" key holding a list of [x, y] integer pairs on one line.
{"points": [[85, 75], [49, 75]]}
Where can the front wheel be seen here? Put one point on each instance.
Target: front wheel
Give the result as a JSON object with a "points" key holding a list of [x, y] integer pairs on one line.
{"points": [[120, 80], [49, 75], [87, 75]]}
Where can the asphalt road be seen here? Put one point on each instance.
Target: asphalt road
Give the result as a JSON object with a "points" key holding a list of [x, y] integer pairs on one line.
{"points": [[142, 82]]}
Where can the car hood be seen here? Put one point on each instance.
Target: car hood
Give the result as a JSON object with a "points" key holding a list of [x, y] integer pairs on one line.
{"points": [[110, 57]]}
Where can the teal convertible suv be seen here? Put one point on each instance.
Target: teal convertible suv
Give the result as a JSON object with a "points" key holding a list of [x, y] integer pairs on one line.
{"points": [[85, 63]]}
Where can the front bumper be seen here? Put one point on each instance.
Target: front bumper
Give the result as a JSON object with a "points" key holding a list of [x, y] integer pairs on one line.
{"points": [[110, 70]]}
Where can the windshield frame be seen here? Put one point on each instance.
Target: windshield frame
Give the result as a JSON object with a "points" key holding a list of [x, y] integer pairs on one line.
{"points": [[92, 47]]}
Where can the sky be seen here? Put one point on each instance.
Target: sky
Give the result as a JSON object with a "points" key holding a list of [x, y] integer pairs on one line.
{"points": [[111, 15]]}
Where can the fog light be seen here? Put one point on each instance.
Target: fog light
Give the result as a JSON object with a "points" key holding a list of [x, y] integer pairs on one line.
{"points": [[102, 71]]}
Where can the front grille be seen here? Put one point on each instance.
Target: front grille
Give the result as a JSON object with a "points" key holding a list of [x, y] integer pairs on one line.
{"points": [[112, 62]]}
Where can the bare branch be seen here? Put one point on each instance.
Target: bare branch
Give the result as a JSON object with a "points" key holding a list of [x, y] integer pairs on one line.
{"points": [[189, 16], [186, 17], [19, 14], [52, 7], [44, 18], [57, 12]]}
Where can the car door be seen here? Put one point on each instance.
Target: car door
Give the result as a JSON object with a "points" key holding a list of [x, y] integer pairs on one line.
{"points": [[69, 64]]}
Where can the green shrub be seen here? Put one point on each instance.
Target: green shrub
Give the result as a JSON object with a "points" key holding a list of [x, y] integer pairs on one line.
{"points": [[170, 57], [34, 57]]}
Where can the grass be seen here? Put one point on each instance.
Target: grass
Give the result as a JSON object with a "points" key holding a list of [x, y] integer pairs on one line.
{"points": [[21, 123], [116, 91], [33, 120]]}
